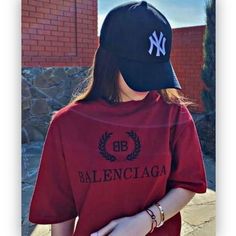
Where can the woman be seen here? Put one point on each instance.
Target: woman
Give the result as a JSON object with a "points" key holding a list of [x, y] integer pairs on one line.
{"points": [[124, 155]]}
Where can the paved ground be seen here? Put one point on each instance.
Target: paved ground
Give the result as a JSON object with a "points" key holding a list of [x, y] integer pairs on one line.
{"points": [[198, 216]]}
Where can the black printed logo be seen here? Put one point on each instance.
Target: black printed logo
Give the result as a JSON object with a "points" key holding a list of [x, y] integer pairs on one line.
{"points": [[119, 146]]}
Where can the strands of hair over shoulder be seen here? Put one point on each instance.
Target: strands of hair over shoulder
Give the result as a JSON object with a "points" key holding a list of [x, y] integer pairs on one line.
{"points": [[102, 83]]}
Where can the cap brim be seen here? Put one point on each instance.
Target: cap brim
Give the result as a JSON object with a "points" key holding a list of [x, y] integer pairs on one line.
{"points": [[146, 76]]}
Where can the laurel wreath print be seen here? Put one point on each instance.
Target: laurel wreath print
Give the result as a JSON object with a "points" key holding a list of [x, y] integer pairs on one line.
{"points": [[132, 156], [102, 147], [137, 146]]}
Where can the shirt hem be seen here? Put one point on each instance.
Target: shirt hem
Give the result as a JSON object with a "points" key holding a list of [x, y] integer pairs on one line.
{"points": [[196, 190], [50, 220]]}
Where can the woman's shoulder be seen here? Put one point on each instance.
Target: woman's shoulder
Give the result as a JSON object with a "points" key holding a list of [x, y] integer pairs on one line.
{"points": [[182, 115], [73, 111], [177, 113], [175, 108], [65, 111]]}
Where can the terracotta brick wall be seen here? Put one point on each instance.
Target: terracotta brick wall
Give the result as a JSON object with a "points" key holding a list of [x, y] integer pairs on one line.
{"points": [[58, 32], [187, 59], [64, 33]]}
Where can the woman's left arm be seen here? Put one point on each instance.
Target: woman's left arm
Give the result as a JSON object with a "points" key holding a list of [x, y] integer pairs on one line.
{"points": [[173, 202], [140, 223]]}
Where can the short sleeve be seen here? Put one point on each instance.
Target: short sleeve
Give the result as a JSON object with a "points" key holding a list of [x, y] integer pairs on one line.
{"points": [[187, 168], [52, 200]]}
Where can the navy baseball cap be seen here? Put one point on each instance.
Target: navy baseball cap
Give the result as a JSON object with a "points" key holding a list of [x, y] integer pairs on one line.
{"points": [[140, 37]]}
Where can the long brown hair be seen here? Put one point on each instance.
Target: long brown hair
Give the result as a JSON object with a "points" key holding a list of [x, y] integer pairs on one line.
{"points": [[102, 82]]}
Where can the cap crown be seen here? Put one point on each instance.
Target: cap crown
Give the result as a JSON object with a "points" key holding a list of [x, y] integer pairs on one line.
{"points": [[137, 31]]}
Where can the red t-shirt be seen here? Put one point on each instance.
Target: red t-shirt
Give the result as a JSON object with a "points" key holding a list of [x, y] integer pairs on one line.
{"points": [[101, 162]]}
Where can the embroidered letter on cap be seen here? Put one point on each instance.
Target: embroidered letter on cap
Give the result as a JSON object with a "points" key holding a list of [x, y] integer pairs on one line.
{"points": [[159, 43]]}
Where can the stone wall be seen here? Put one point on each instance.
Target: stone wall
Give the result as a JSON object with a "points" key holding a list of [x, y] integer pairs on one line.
{"points": [[45, 90]]}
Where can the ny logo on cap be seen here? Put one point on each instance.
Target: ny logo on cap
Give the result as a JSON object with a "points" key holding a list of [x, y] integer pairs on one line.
{"points": [[159, 43]]}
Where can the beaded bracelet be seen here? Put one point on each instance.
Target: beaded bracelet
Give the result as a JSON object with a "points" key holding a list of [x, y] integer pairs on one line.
{"points": [[153, 217]]}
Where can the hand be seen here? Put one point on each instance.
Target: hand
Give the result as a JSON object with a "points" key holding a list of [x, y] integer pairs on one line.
{"points": [[137, 225]]}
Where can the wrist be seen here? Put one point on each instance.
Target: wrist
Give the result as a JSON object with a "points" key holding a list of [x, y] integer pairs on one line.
{"points": [[156, 213], [146, 221]]}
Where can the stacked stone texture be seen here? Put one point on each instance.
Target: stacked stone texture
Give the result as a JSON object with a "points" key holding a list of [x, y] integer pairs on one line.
{"points": [[45, 90]]}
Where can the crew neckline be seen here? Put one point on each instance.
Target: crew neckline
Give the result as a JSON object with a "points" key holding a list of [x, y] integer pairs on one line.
{"points": [[149, 98]]}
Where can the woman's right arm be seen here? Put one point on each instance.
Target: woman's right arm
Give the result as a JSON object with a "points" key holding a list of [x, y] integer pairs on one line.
{"points": [[65, 228]]}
